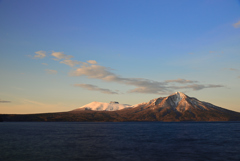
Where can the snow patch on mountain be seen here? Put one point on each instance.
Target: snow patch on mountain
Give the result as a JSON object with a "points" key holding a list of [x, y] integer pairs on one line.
{"points": [[101, 106]]}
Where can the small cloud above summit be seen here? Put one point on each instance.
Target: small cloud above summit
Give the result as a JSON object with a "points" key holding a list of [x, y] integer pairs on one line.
{"points": [[237, 25]]}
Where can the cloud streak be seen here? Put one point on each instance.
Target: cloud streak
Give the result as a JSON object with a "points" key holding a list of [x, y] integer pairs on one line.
{"points": [[2, 101], [182, 81], [141, 85], [197, 87], [95, 88]]}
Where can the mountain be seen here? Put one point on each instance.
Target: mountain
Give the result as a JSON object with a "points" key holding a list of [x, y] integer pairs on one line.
{"points": [[100, 106], [176, 107], [180, 107], [180, 103]]}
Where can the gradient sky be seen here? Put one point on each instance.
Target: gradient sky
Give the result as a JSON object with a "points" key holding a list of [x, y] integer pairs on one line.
{"points": [[58, 55]]}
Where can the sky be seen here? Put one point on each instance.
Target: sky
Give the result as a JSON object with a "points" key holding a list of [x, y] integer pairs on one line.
{"points": [[58, 55]]}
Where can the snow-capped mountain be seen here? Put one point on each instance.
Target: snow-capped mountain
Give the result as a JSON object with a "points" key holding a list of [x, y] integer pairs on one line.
{"points": [[101, 106], [179, 102], [180, 107]]}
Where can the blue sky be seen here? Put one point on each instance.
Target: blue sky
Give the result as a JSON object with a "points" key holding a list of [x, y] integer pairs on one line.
{"points": [[57, 55]]}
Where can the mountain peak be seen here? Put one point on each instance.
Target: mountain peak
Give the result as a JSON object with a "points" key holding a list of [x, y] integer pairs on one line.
{"points": [[175, 98], [180, 94]]}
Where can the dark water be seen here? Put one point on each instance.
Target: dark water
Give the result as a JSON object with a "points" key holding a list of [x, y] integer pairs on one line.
{"points": [[50, 141]]}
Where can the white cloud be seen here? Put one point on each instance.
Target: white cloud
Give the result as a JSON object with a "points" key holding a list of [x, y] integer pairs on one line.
{"points": [[50, 71], [71, 63], [59, 55], [95, 88], [40, 54], [92, 61], [237, 25]]}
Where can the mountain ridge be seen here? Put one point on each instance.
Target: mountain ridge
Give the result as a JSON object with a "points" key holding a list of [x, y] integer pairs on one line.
{"points": [[173, 108]]}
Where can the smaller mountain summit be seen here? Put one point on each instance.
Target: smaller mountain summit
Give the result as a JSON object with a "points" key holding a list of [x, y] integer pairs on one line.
{"points": [[101, 106]]}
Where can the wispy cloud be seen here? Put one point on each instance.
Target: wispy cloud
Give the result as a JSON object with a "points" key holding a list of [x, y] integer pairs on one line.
{"points": [[142, 85], [196, 87], [67, 59], [40, 54], [59, 55], [71, 63], [2, 101], [95, 88], [44, 64], [182, 81], [50, 71], [236, 25]]}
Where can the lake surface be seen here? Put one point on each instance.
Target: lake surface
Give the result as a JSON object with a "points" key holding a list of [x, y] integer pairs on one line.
{"points": [[67, 141]]}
